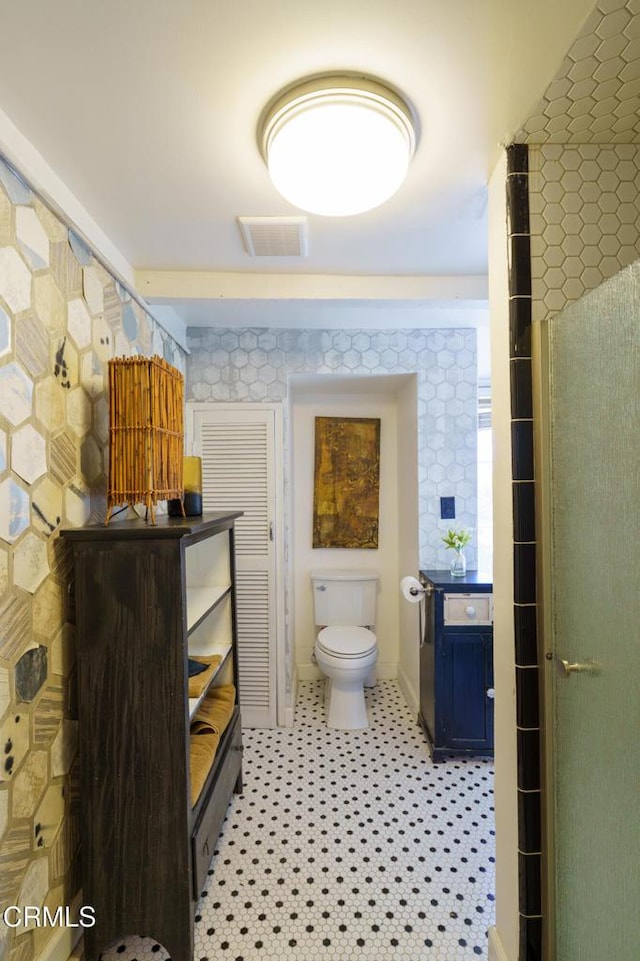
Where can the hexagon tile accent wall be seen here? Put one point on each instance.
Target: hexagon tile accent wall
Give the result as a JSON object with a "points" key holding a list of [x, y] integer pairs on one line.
{"points": [[255, 365], [593, 97], [585, 219], [584, 161], [61, 316]]}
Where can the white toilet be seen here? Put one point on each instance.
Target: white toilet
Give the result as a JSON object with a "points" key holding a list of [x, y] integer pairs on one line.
{"points": [[346, 649]]}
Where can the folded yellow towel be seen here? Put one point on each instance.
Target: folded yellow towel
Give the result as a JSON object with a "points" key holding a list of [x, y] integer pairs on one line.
{"points": [[207, 727], [198, 682], [217, 707]]}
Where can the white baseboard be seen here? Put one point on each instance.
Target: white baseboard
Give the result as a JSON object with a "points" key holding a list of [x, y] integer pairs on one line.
{"points": [[308, 672], [387, 670], [409, 691], [496, 951]]}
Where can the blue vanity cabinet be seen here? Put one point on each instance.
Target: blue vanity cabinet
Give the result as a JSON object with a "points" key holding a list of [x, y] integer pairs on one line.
{"points": [[456, 664]]}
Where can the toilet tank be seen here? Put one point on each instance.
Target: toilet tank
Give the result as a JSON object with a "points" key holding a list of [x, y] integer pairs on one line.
{"points": [[344, 597]]}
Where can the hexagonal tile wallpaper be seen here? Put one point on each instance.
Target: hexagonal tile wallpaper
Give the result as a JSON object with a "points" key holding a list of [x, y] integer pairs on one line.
{"points": [[56, 338], [256, 364]]}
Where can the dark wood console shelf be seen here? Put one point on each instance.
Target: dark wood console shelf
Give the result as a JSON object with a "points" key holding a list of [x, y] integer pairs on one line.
{"points": [[147, 598]]}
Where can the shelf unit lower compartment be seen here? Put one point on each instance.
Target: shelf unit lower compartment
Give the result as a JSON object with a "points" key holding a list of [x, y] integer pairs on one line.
{"points": [[208, 814], [224, 670]]}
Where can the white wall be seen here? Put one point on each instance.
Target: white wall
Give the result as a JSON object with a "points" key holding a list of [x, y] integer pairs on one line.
{"points": [[305, 409], [504, 938], [408, 548]]}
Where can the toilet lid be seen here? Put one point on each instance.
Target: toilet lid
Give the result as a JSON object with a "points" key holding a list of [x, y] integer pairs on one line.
{"points": [[347, 641]]}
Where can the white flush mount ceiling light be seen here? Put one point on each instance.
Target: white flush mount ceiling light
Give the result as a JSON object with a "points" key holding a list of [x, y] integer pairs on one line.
{"points": [[337, 145]]}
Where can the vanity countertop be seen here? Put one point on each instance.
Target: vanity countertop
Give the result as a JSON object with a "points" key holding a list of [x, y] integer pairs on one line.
{"points": [[472, 581]]}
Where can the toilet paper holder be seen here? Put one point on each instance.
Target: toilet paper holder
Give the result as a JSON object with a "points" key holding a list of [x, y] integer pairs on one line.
{"points": [[427, 589], [413, 590]]}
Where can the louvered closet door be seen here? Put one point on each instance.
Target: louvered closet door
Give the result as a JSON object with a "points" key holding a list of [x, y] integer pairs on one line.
{"points": [[237, 451]]}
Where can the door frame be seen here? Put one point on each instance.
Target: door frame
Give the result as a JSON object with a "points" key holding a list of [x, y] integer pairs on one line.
{"points": [[544, 540], [284, 705]]}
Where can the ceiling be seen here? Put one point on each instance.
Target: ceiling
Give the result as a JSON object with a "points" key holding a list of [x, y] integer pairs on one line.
{"points": [[138, 119]]}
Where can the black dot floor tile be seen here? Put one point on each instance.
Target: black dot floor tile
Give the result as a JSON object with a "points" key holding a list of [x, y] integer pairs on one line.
{"points": [[347, 844]]}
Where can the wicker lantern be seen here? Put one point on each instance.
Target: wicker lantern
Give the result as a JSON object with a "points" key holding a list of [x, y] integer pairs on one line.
{"points": [[146, 433]]}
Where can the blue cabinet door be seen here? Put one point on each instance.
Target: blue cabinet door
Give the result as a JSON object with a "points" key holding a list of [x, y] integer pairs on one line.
{"points": [[466, 675]]}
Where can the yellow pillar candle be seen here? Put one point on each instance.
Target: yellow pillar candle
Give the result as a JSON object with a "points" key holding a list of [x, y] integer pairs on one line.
{"points": [[192, 474], [192, 480]]}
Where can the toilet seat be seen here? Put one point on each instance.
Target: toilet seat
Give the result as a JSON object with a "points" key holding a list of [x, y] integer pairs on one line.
{"points": [[346, 642]]}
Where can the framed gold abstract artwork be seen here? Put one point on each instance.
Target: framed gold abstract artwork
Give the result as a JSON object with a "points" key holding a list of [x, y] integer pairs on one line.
{"points": [[346, 489]]}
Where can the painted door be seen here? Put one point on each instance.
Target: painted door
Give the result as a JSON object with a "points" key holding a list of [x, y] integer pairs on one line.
{"points": [[592, 665], [237, 444], [468, 690]]}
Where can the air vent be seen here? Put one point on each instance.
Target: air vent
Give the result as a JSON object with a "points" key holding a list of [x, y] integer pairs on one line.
{"points": [[274, 236]]}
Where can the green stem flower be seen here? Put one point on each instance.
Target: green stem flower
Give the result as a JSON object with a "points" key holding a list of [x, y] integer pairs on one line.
{"points": [[456, 538]]}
